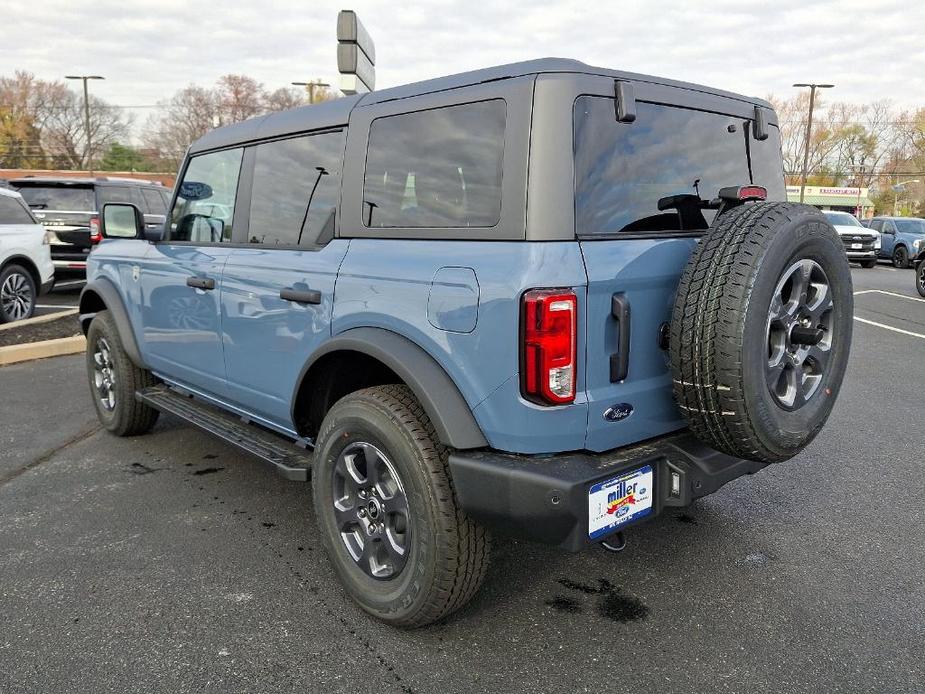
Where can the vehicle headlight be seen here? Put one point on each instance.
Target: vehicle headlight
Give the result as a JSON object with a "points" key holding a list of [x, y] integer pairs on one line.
{"points": [[877, 241], [917, 244]]}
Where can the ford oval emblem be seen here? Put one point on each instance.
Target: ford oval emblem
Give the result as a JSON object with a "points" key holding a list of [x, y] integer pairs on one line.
{"points": [[618, 412]]}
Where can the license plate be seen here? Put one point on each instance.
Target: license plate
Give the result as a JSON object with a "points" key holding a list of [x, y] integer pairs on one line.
{"points": [[857, 245], [619, 500]]}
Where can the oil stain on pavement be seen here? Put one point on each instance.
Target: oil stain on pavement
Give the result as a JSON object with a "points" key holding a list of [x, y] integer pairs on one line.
{"points": [[612, 603]]}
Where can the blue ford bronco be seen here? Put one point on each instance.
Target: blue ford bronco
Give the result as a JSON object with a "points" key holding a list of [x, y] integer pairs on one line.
{"points": [[542, 299]]}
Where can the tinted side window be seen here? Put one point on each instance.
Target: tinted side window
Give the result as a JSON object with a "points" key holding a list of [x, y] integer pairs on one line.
{"points": [[155, 201], [436, 168], [876, 225], [107, 194], [204, 209], [295, 189], [12, 211], [625, 173]]}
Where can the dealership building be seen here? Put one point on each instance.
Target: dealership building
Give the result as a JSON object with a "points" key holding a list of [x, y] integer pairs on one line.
{"points": [[853, 200]]}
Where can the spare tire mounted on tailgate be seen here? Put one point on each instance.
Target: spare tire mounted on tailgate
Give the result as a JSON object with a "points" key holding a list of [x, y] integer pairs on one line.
{"points": [[761, 330]]}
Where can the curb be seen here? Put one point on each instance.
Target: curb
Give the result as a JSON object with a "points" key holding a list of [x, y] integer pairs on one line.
{"points": [[41, 350], [47, 318]]}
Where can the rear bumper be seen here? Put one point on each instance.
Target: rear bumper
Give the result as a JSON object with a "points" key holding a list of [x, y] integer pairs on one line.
{"points": [[545, 499]]}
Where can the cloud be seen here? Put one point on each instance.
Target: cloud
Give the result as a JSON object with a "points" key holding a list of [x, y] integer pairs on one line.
{"points": [[147, 49]]}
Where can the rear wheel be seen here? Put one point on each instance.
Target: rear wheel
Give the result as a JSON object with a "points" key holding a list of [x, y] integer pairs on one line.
{"points": [[114, 379], [388, 516], [901, 258], [17, 294], [761, 330]]}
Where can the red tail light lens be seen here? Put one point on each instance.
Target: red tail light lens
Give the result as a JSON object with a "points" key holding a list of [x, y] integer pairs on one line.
{"points": [[753, 193], [95, 235], [548, 365]]}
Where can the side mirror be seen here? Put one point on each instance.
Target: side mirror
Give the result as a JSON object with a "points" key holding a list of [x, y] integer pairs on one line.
{"points": [[122, 221]]}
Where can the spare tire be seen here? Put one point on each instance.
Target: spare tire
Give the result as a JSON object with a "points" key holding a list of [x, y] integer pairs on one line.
{"points": [[761, 330]]}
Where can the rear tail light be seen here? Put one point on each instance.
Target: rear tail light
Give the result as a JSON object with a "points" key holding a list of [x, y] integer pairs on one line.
{"points": [[95, 235], [549, 347]]}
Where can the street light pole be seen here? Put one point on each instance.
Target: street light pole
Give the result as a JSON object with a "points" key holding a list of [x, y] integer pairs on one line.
{"points": [[898, 188], [84, 78], [809, 130], [310, 86]]}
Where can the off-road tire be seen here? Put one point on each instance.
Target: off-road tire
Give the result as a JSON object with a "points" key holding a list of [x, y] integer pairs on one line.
{"points": [[449, 552], [23, 276], [128, 417], [719, 343], [920, 277], [868, 264], [900, 258]]}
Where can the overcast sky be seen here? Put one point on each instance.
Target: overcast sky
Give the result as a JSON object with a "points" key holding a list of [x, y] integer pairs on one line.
{"points": [[147, 49]]}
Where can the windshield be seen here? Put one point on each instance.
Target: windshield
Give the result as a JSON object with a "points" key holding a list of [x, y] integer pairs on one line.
{"points": [[842, 219], [910, 226], [69, 198], [650, 175]]}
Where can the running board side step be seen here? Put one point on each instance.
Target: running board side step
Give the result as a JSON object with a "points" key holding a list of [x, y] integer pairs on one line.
{"points": [[281, 453]]}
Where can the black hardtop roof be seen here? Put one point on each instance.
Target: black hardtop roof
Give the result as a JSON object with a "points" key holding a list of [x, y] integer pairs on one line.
{"points": [[335, 113], [81, 181]]}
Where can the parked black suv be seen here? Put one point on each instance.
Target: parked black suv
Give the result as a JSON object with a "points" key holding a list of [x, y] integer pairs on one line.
{"points": [[68, 208]]}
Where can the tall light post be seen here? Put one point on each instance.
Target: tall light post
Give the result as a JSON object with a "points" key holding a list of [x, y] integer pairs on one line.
{"points": [[311, 86], [86, 112], [809, 129], [898, 188]]}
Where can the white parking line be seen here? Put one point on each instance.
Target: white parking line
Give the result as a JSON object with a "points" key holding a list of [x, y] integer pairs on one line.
{"points": [[883, 291], [889, 327], [63, 307]]}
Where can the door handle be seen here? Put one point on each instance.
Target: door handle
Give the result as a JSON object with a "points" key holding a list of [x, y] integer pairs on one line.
{"points": [[620, 362], [299, 296], [200, 282]]}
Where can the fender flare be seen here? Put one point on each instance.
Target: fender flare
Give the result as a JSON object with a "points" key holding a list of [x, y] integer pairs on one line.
{"points": [[435, 390], [112, 300]]}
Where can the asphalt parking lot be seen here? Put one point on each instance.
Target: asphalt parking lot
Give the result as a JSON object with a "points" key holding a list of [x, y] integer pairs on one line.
{"points": [[172, 563], [63, 296]]}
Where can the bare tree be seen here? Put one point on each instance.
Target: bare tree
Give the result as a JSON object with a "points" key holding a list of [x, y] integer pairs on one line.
{"points": [[284, 99], [189, 115]]}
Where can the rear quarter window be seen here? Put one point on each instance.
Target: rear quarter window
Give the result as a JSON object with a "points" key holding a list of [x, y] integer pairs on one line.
{"points": [[13, 212], [436, 168], [623, 170], [63, 198]]}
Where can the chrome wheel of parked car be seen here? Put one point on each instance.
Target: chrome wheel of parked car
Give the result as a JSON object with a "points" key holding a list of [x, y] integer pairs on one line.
{"points": [[371, 510], [104, 375], [17, 296], [799, 333]]}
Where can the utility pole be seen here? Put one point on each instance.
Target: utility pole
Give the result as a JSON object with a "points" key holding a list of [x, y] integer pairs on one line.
{"points": [[310, 87], [84, 78], [809, 130]]}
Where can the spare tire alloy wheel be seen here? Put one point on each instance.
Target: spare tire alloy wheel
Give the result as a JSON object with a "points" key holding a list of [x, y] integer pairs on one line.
{"points": [[17, 294], [761, 330], [800, 333]]}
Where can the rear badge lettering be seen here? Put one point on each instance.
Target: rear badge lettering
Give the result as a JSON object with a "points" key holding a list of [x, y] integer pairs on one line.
{"points": [[618, 412]]}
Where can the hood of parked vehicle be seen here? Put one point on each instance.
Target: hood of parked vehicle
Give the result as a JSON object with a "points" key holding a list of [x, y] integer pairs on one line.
{"points": [[846, 230]]}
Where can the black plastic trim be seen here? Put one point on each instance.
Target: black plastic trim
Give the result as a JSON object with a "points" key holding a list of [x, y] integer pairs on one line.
{"points": [[113, 302], [448, 410]]}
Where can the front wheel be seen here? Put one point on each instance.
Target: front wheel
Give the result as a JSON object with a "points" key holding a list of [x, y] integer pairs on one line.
{"points": [[387, 512], [114, 379], [17, 294], [900, 258], [920, 277]]}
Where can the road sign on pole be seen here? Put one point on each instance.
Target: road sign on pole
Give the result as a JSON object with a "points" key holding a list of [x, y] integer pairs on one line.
{"points": [[356, 54]]}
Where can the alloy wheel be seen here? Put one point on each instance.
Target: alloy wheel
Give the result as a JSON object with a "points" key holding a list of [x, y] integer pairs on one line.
{"points": [[16, 296], [104, 375], [371, 510], [799, 333]]}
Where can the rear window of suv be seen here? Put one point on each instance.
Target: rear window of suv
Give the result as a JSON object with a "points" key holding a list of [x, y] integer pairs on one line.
{"points": [[64, 198], [623, 170]]}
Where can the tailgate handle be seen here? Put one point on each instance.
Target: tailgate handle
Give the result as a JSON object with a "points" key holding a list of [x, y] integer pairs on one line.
{"points": [[620, 362], [310, 296], [200, 282]]}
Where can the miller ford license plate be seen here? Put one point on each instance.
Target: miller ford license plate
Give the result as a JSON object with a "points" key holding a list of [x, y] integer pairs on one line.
{"points": [[619, 500], [857, 245]]}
